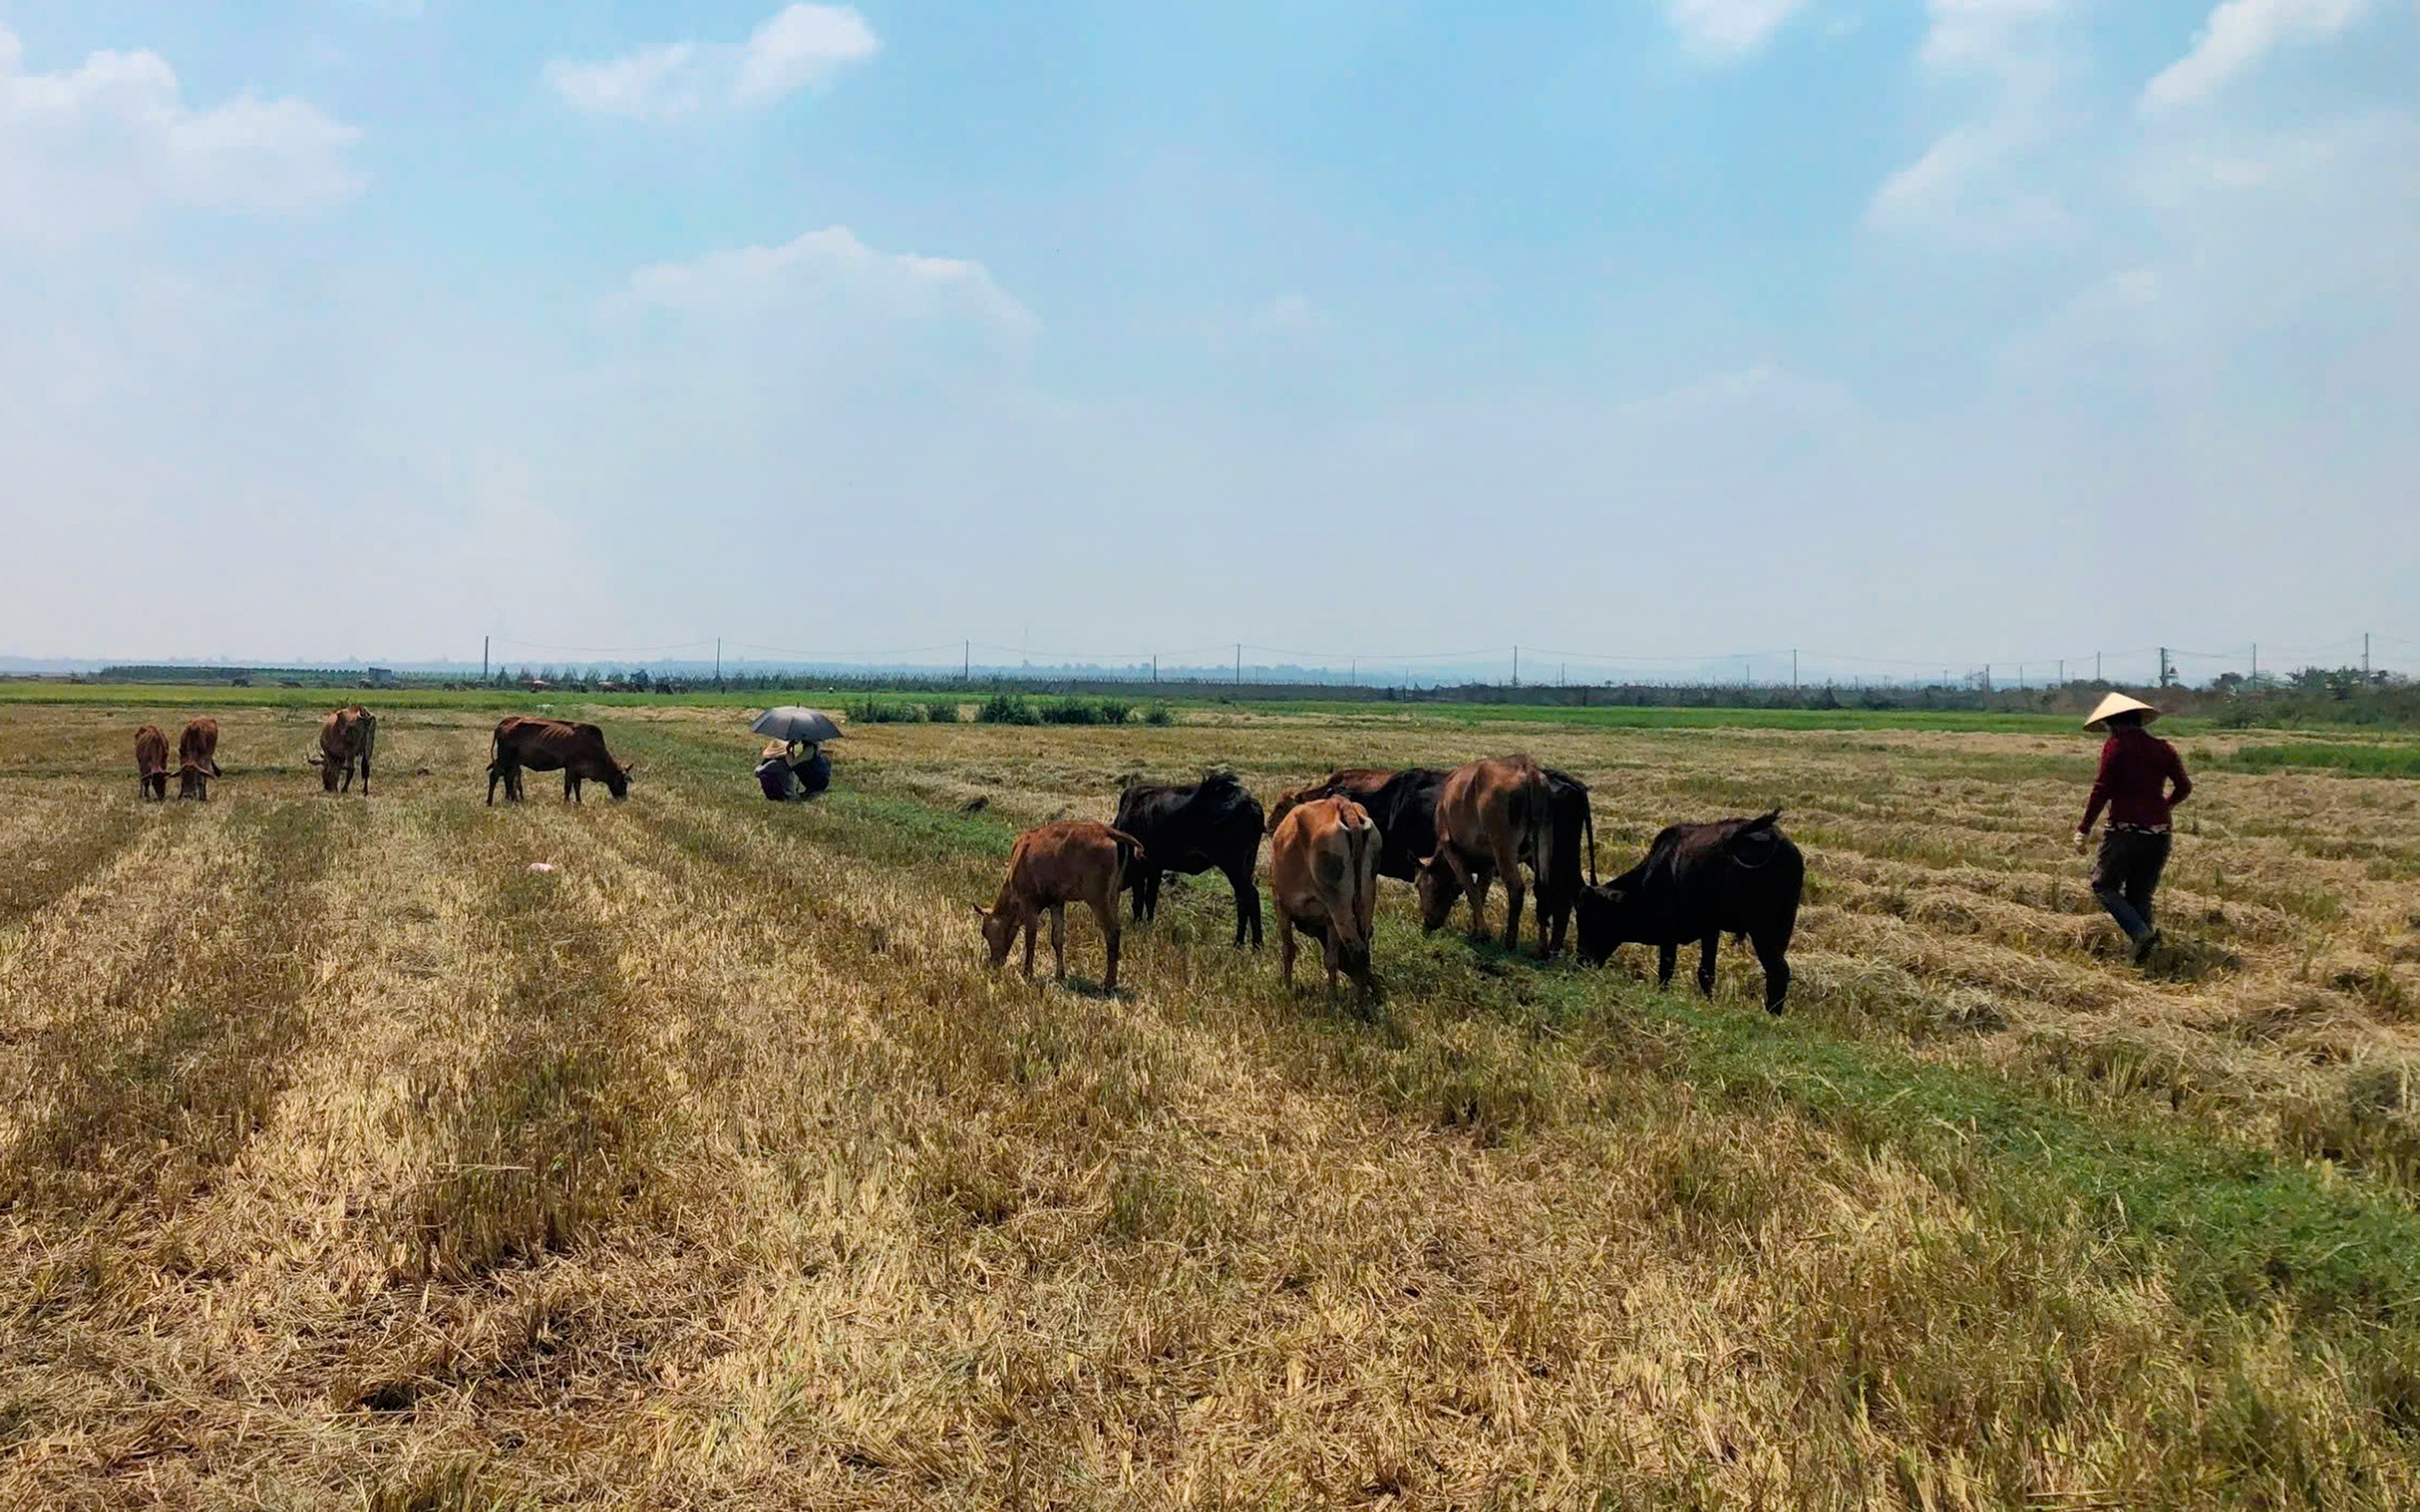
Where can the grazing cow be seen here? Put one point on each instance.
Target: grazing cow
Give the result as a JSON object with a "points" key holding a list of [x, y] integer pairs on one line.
{"points": [[1698, 883], [1323, 874], [198, 758], [151, 763], [1070, 861], [1192, 828], [1402, 804], [1492, 814], [550, 745], [348, 737]]}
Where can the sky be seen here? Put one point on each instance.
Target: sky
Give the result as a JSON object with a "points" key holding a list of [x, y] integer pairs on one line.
{"points": [[1928, 331]]}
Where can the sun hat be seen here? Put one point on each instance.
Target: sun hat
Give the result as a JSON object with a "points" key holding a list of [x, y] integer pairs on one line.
{"points": [[2118, 703]]}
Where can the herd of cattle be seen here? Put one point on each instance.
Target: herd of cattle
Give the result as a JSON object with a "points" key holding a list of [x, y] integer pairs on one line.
{"points": [[1452, 834]]}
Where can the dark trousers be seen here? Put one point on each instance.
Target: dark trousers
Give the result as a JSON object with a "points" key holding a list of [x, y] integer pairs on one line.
{"points": [[2125, 876]]}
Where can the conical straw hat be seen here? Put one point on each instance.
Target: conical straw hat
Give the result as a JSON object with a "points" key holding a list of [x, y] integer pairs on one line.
{"points": [[2118, 703]]}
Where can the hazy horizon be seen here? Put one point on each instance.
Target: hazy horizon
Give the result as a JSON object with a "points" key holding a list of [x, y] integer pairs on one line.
{"points": [[356, 329]]}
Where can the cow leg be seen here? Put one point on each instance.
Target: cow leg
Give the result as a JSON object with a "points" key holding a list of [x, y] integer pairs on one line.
{"points": [[1142, 886], [1108, 920], [1773, 954], [1706, 962], [1059, 942], [1031, 922], [1667, 956], [571, 786], [1286, 949], [1476, 891], [1247, 905], [365, 774]]}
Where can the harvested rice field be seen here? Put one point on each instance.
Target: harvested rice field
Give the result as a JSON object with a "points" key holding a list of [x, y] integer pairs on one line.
{"points": [[346, 1161]]}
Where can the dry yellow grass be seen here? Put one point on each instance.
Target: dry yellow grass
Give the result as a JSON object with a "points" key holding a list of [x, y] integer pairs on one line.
{"points": [[347, 1162]]}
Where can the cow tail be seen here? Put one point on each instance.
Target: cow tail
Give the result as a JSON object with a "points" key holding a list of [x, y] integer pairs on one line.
{"points": [[1542, 828], [1129, 852], [1589, 823]]}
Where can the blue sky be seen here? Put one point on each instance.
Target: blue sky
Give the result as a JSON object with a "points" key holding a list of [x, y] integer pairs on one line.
{"points": [[1953, 331]]}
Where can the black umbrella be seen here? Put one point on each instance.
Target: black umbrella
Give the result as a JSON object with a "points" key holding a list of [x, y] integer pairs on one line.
{"points": [[794, 722]]}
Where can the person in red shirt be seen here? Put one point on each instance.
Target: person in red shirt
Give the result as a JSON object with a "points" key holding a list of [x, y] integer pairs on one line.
{"points": [[2140, 780]]}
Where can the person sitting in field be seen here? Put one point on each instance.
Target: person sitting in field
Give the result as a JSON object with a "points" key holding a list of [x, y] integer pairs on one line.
{"points": [[813, 772], [2140, 779], [773, 773], [787, 776]]}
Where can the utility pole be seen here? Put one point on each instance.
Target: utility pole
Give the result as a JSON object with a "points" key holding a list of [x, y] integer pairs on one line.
{"points": [[966, 660], [483, 658], [1517, 664], [1239, 664], [2096, 667], [717, 661], [2256, 661], [1155, 669], [1794, 669], [1353, 672], [2163, 667], [2063, 672], [2365, 656]]}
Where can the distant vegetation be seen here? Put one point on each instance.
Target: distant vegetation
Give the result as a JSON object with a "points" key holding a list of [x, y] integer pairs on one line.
{"points": [[2314, 695]]}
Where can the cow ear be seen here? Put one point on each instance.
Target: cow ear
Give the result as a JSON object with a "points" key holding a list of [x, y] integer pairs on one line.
{"points": [[980, 912], [627, 768]]}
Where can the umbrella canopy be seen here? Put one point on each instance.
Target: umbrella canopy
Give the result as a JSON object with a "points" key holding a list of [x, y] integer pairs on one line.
{"points": [[2118, 703], [792, 722]]}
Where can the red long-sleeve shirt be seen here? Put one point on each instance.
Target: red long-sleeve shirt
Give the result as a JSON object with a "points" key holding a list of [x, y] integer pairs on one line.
{"points": [[2136, 767]]}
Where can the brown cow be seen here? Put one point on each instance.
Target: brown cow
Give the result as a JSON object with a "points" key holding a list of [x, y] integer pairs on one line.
{"points": [[198, 758], [1071, 861], [1323, 874], [1492, 815], [348, 737], [551, 745], [151, 761]]}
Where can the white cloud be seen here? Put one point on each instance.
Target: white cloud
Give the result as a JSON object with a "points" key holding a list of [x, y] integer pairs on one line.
{"points": [[1968, 188], [831, 267], [2238, 35], [1979, 33], [1728, 29], [98, 149], [802, 45]]}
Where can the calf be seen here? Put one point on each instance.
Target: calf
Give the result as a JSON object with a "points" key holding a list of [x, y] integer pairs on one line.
{"points": [[348, 737], [198, 758], [1698, 881], [1070, 861], [1402, 804], [550, 745], [151, 763], [1323, 874], [1192, 828], [1492, 814]]}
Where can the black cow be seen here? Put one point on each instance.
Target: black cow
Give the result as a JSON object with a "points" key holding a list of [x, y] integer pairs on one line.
{"points": [[1699, 881], [553, 745], [1192, 828]]}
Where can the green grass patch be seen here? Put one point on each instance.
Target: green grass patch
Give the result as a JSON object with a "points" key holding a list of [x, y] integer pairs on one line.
{"points": [[2366, 759]]}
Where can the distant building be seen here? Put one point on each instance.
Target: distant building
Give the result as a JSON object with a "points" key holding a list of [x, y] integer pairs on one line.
{"points": [[382, 677]]}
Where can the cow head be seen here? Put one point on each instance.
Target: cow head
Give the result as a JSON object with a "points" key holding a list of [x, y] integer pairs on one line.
{"points": [[1608, 917], [1439, 884], [617, 778], [999, 929]]}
